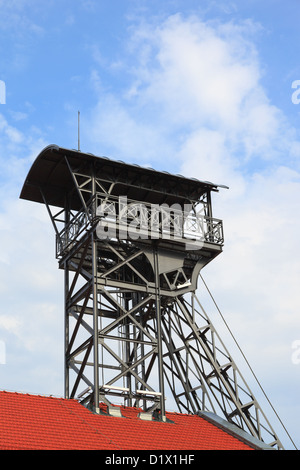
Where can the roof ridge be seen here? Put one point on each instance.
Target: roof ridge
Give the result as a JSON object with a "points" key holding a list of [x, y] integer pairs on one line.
{"points": [[60, 397], [34, 394]]}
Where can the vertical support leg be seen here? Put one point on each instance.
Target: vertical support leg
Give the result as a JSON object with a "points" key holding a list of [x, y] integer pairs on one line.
{"points": [[95, 324], [159, 336], [95, 309], [67, 323], [128, 354], [67, 329]]}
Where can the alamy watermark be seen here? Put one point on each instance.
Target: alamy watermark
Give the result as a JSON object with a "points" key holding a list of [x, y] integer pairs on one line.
{"points": [[2, 92], [2, 352], [296, 353], [296, 94], [127, 220]]}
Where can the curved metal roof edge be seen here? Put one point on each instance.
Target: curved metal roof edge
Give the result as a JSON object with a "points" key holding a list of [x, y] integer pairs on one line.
{"points": [[62, 150]]}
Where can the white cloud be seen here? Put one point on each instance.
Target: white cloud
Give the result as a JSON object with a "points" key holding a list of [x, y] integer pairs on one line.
{"points": [[9, 323], [32, 299], [16, 20], [29, 279], [189, 78], [111, 126]]}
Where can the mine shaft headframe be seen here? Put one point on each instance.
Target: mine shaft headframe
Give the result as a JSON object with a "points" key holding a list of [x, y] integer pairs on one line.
{"points": [[129, 327]]}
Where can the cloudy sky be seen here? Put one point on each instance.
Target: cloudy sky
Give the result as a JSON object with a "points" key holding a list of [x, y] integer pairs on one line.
{"points": [[206, 89]]}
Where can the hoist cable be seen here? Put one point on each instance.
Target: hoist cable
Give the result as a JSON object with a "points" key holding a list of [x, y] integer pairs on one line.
{"points": [[247, 362]]}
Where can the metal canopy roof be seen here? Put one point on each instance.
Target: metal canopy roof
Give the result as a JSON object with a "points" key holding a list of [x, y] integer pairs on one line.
{"points": [[51, 173]]}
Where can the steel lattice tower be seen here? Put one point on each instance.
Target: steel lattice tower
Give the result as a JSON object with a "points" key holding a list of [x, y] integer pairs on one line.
{"points": [[132, 242]]}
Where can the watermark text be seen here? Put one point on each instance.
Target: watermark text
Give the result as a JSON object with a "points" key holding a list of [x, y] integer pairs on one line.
{"points": [[2, 352], [125, 220], [2, 92], [296, 93], [296, 353]]}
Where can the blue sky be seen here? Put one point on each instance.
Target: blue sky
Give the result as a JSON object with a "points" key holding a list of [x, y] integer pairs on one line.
{"points": [[201, 88]]}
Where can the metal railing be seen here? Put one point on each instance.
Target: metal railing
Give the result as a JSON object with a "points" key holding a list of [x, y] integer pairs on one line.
{"points": [[120, 218]]}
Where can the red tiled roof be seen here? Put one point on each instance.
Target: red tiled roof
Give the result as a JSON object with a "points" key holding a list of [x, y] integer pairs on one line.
{"points": [[39, 422]]}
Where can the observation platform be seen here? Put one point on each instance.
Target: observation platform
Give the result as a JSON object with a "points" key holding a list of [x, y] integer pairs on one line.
{"points": [[126, 201]]}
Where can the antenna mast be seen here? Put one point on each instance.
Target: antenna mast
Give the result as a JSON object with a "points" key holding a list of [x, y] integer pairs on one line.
{"points": [[78, 131]]}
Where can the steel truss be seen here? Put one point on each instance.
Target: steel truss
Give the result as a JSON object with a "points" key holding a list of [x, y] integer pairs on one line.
{"points": [[134, 327]]}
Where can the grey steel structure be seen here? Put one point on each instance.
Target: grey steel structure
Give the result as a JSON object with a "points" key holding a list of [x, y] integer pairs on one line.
{"points": [[132, 242]]}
